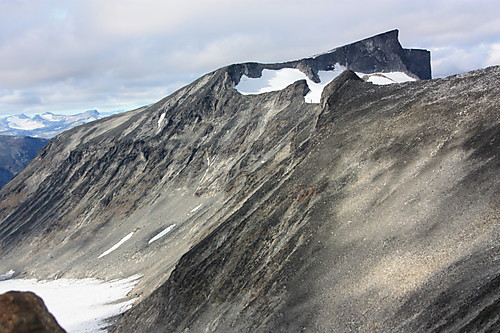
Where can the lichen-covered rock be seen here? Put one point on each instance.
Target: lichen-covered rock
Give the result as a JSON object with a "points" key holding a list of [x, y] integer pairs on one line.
{"points": [[25, 312]]}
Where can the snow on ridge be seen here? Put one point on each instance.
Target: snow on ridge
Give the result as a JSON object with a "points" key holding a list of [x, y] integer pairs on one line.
{"points": [[275, 80], [79, 305], [22, 123], [161, 234], [45, 125], [386, 78], [314, 96], [117, 245], [51, 117], [270, 80]]}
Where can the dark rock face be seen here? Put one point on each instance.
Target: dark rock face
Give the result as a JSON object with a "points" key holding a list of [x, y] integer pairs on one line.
{"points": [[15, 153], [25, 312], [375, 210], [380, 53]]}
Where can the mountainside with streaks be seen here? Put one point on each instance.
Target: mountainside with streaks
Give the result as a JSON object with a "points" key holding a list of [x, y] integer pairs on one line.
{"points": [[375, 209]]}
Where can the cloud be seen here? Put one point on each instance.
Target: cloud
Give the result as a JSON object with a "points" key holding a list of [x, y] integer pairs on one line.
{"points": [[453, 60], [17, 97], [75, 55], [494, 54]]}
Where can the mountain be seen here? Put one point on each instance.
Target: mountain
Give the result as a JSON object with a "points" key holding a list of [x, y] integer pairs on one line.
{"points": [[375, 209], [22, 136], [15, 153], [46, 125]]}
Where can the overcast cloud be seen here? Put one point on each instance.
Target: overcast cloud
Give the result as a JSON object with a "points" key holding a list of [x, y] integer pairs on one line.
{"points": [[74, 55]]}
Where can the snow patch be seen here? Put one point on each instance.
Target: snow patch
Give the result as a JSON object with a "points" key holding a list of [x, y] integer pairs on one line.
{"points": [[314, 96], [79, 305], [8, 275], [386, 78], [270, 80], [161, 234], [162, 116], [275, 80], [196, 208], [117, 245]]}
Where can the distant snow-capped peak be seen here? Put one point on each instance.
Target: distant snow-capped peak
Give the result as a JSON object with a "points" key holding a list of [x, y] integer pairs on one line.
{"points": [[45, 125]]}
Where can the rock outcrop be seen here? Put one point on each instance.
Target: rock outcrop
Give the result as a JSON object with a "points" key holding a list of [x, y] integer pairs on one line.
{"points": [[25, 312]]}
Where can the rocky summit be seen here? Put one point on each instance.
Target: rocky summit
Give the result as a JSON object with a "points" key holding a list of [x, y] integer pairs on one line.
{"points": [[374, 210]]}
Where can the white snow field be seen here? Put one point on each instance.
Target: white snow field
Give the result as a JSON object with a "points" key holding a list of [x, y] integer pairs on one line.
{"points": [[79, 305], [275, 80]]}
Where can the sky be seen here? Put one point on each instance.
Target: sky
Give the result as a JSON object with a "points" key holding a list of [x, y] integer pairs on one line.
{"points": [[75, 55]]}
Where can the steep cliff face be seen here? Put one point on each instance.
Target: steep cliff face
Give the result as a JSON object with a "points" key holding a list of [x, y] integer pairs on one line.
{"points": [[380, 53], [266, 213]]}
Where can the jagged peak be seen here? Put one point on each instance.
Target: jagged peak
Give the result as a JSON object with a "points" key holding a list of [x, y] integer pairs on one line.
{"points": [[384, 36], [381, 53]]}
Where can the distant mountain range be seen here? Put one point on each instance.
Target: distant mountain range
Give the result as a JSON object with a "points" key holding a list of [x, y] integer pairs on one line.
{"points": [[45, 125], [15, 153], [22, 136]]}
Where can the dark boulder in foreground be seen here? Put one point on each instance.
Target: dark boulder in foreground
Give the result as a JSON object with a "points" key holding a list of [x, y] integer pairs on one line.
{"points": [[25, 312]]}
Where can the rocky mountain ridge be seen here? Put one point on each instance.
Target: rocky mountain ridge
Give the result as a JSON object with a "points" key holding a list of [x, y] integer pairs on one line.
{"points": [[388, 222], [262, 212]]}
